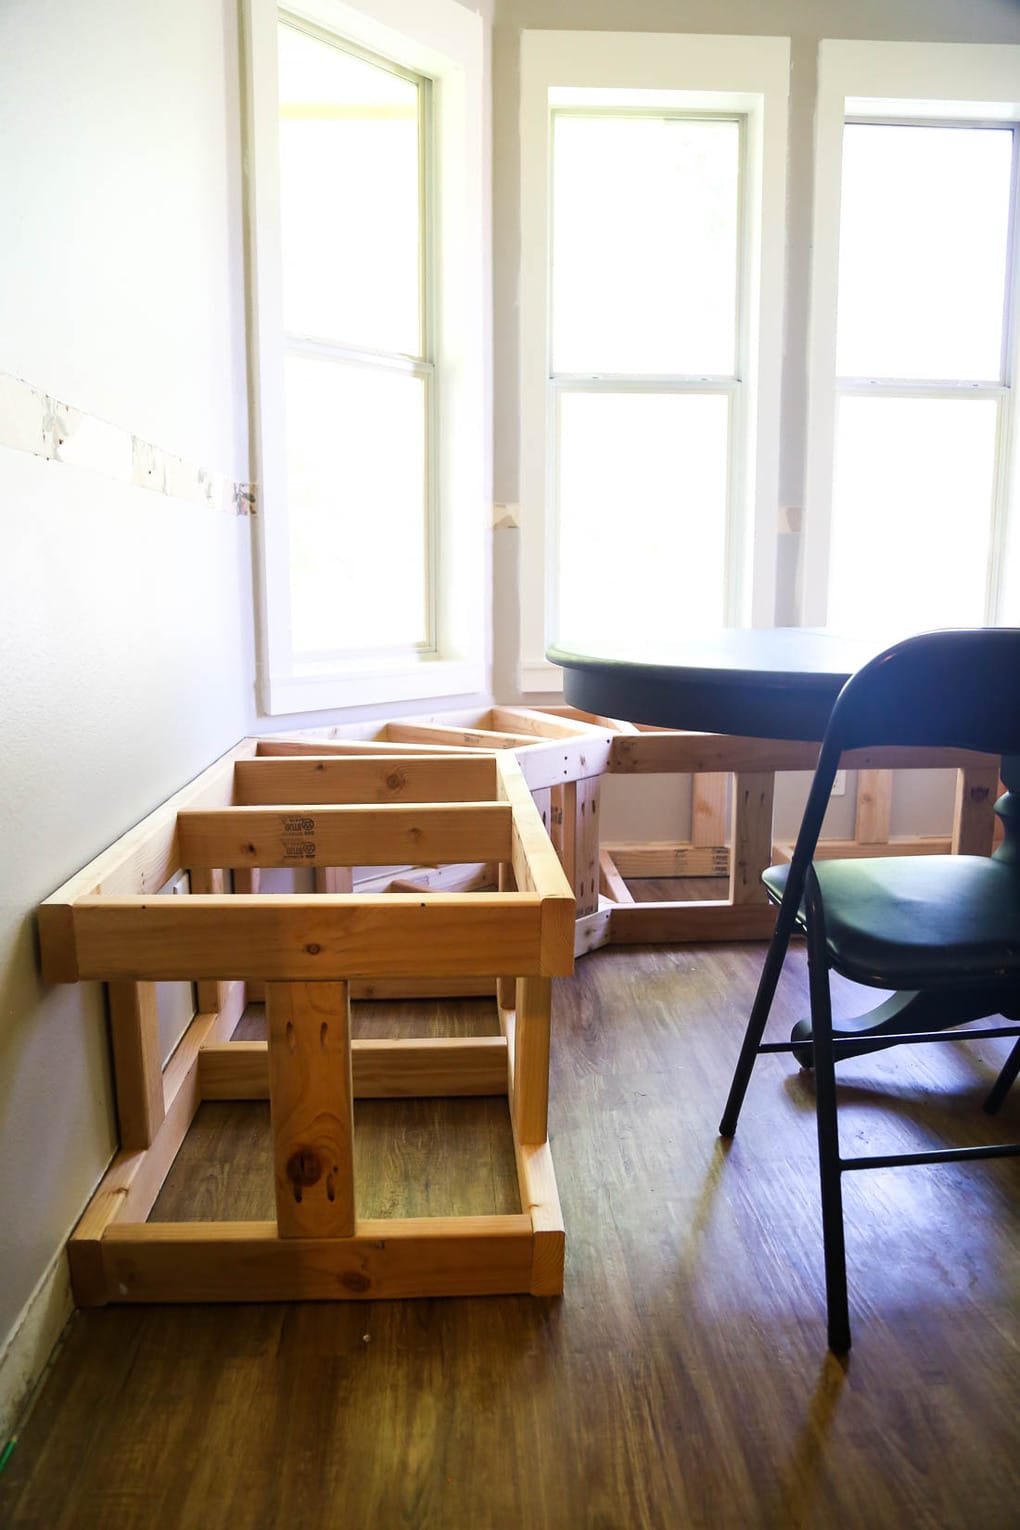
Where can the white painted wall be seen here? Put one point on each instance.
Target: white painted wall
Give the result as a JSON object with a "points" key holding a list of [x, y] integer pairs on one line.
{"points": [[125, 629]]}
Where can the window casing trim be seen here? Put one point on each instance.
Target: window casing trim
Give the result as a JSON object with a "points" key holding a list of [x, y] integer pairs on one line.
{"points": [[693, 74]]}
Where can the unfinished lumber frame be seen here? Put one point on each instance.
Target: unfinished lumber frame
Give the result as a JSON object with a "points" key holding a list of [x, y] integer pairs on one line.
{"points": [[752, 765], [564, 753], [325, 813]]}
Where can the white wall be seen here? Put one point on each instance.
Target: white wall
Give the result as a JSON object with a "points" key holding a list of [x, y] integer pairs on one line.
{"points": [[125, 643]]}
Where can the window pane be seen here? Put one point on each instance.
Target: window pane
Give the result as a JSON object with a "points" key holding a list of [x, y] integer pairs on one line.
{"points": [[922, 262], [356, 498], [349, 192], [644, 266], [642, 514], [911, 513]]}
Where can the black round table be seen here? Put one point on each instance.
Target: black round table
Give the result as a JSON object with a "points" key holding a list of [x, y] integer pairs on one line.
{"points": [[757, 682]]}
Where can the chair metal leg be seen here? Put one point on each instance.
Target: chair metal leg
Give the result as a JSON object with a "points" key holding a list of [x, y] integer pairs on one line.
{"points": [[1004, 1083], [829, 1163], [774, 959]]}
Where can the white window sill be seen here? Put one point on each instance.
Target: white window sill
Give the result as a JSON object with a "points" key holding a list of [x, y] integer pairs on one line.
{"points": [[365, 687], [540, 675]]}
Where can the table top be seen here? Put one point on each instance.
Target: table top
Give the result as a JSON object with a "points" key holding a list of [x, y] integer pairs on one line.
{"points": [[762, 682]]}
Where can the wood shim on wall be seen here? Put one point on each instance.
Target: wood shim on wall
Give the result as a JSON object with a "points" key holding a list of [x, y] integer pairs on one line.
{"points": [[33, 421]]}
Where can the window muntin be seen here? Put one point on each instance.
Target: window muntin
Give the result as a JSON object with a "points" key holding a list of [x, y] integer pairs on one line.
{"points": [[359, 384], [922, 343], [644, 338]]}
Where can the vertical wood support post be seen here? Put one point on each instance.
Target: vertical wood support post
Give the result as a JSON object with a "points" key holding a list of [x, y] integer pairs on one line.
{"points": [[506, 987], [334, 879], [210, 994], [137, 1069], [542, 798], [586, 845], [531, 1059], [563, 825], [574, 831], [248, 879], [311, 1099], [708, 808], [974, 813], [753, 792], [874, 807]]}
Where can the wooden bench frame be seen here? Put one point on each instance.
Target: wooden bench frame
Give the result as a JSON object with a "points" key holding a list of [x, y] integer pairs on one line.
{"points": [[564, 754], [312, 952]]}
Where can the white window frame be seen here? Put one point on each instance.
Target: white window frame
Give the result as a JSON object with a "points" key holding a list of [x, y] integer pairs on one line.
{"points": [[743, 76], [443, 42], [911, 83]]}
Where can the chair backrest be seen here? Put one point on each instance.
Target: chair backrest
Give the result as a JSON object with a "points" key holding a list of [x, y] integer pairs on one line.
{"points": [[958, 689]]}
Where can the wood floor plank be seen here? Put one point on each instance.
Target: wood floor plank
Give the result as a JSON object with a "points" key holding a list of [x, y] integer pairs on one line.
{"points": [[682, 1382]]}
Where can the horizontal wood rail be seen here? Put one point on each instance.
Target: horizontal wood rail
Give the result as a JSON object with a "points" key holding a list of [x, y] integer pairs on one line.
{"points": [[336, 779], [431, 834]]}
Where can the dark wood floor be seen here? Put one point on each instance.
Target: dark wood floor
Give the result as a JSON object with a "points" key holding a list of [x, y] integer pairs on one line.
{"points": [[682, 1380]]}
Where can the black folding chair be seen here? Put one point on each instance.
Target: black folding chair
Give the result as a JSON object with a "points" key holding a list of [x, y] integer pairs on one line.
{"points": [[943, 930]]}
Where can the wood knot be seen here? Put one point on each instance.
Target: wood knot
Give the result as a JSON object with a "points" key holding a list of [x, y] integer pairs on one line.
{"points": [[304, 1168], [354, 1281], [313, 949], [395, 780]]}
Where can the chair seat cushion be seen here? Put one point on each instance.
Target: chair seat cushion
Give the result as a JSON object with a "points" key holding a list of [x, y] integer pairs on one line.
{"points": [[916, 921]]}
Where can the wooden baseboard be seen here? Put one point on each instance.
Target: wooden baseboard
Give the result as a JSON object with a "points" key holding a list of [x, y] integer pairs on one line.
{"points": [[30, 1343]]}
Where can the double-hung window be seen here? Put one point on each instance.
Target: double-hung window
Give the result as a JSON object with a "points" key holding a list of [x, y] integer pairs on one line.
{"points": [[367, 260], [913, 436], [652, 182], [647, 279]]}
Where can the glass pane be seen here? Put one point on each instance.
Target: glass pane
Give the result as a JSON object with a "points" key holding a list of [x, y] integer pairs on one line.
{"points": [[911, 513], [350, 210], [356, 497], [922, 259], [644, 229], [642, 514]]}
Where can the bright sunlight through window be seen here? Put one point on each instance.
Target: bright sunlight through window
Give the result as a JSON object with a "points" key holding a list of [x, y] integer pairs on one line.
{"points": [[921, 386], [358, 379], [644, 340]]}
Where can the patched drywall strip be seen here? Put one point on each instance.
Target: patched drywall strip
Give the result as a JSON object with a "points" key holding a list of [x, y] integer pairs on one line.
{"points": [[32, 421]]}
